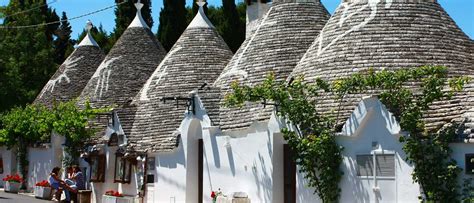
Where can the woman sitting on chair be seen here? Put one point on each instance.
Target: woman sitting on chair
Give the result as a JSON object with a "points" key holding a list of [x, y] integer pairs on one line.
{"points": [[59, 185]]}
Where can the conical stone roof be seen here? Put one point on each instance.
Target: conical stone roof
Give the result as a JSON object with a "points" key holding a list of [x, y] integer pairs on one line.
{"points": [[277, 44], [198, 57], [72, 76], [389, 34], [124, 70]]}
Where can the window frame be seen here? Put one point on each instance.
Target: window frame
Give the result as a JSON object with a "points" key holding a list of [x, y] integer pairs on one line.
{"points": [[469, 168], [100, 159], [125, 167], [374, 175]]}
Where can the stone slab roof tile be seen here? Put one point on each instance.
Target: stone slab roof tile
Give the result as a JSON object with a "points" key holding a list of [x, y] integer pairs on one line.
{"points": [[389, 35], [72, 76], [277, 44], [122, 73], [197, 58]]}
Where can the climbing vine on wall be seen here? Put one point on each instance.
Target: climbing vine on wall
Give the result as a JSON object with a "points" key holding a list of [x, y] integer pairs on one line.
{"points": [[311, 135], [427, 149]]}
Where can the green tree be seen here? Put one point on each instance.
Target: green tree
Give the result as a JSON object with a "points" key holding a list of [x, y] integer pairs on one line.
{"points": [[22, 127], [26, 55], [173, 22], [63, 44], [100, 36], [124, 15], [232, 28]]}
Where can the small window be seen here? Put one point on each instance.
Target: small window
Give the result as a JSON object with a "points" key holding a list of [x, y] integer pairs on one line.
{"points": [[97, 163], [470, 164], [1, 165], [365, 165], [385, 165], [150, 163], [113, 140], [123, 169], [150, 178]]}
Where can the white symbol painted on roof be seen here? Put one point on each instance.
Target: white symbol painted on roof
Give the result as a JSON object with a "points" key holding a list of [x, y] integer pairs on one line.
{"points": [[69, 65], [102, 74], [159, 73], [235, 69], [346, 14]]}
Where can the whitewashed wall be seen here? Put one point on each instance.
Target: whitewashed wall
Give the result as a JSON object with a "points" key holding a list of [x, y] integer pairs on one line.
{"points": [[43, 160], [370, 123], [170, 176], [9, 163]]}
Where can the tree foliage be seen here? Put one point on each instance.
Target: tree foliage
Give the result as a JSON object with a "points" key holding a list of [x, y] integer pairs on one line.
{"points": [[232, 28], [23, 127], [173, 22], [63, 45], [311, 135], [26, 55]]}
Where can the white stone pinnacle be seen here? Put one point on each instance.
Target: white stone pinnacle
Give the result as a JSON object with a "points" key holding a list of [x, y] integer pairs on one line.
{"points": [[138, 20], [200, 3], [201, 20], [88, 39]]}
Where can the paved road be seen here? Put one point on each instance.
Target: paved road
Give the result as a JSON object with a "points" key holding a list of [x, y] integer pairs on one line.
{"points": [[15, 198]]}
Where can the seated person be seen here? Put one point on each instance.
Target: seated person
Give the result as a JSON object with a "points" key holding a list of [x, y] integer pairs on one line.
{"points": [[59, 185], [78, 177], [76, 181]]}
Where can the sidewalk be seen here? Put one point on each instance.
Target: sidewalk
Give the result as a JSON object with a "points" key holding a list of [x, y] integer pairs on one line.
{"points": [[19, 198]]}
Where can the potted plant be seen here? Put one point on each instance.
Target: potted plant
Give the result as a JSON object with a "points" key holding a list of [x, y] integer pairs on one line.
{"points": [[43, 190], [215, 194], [111, 196], [13, 183]]}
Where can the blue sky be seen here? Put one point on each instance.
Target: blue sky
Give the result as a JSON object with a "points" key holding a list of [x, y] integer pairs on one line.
{"points": [[462, 11]]}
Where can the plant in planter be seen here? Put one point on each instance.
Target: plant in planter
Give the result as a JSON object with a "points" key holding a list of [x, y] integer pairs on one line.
{"points": [[112, 196], [12, 183], [215, 194], [113, 193], [43, 190]]}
